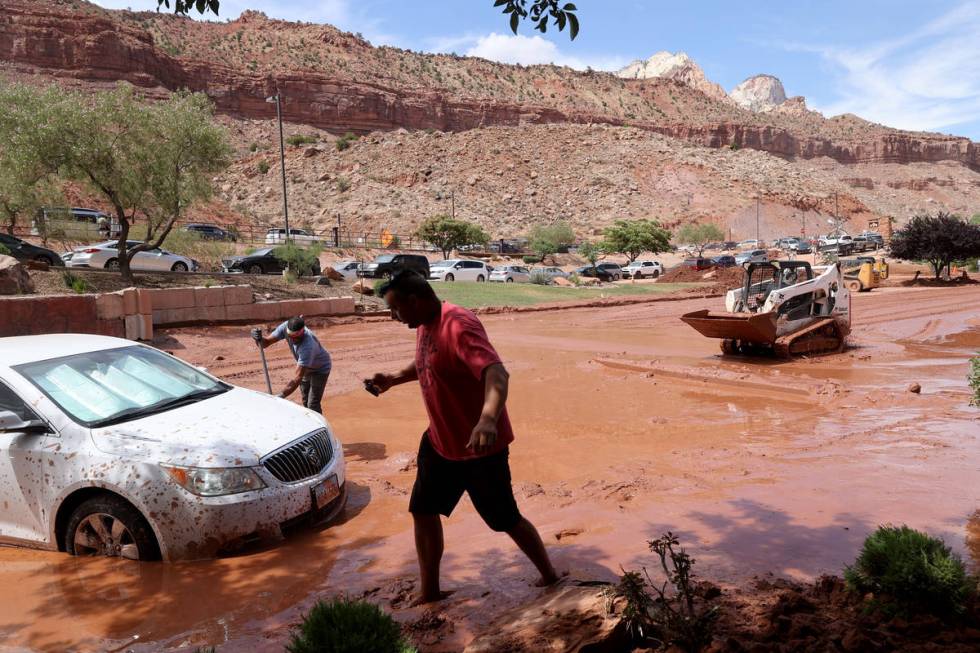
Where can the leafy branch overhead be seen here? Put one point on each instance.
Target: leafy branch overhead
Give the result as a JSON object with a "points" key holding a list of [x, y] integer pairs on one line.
{"points": [[537, 11]]}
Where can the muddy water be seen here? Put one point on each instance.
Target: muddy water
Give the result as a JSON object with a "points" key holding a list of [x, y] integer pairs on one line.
{"points": [[628, 424]]}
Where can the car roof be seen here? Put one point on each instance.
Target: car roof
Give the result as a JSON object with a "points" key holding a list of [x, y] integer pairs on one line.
{"points": [[16, 350]]}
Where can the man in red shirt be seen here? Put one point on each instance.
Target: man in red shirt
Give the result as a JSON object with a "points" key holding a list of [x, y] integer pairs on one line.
{"points": [[465, 449]]}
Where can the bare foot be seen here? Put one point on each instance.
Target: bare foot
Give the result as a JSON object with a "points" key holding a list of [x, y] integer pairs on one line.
{"points": [[553, 579], [425, 600]]}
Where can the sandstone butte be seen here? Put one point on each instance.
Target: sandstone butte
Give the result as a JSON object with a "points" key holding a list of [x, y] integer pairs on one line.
{"points": [[339, 82]]}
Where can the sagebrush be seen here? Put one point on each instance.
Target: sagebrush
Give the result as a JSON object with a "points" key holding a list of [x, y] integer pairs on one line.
{"points": [[909, 571], [302, 261], [974, 379], [346, 626]]}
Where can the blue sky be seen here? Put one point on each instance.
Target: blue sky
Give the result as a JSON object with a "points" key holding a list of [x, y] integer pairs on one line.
{"points": [[912, 65]]}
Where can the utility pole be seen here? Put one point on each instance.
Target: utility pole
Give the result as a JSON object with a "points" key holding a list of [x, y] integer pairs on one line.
{"points": [[758, 201], [277, 98], [452, 198]]}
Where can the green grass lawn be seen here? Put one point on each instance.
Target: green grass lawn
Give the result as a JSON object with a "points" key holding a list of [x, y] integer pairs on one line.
{"points": [[477, 295]]}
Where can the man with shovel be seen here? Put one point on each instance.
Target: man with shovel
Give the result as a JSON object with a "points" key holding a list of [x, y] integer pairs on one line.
{"points": [[465, 449], [312, 360]]}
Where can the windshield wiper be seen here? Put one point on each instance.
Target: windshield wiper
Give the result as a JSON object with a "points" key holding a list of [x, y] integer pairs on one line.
{"points": [[159, 407]]}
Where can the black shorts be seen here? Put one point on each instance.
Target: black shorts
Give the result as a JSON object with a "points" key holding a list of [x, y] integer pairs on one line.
{"points": [[440, 483]]}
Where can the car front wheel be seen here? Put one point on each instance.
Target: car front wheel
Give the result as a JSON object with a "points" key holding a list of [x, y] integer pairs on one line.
{"points": [[450, 277], [254, 269], [44, 258], [112, 264], [509, 280], [480, 279], [110, 526], [179, 266]]}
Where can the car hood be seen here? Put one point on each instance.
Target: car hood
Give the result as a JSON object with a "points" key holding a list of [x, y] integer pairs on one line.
{"points": [[233, 429]]}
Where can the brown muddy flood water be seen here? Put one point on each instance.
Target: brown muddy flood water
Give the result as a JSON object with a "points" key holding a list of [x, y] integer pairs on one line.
{"points": [[628, 424]]}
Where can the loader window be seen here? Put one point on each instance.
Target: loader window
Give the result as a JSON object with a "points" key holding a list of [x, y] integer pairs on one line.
{"points": [[763, 281], [799, 307]]}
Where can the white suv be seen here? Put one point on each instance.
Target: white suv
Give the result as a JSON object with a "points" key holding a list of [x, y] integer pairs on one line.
{"points": [[298, 236], [640, 269], [117, 449], [459, 270]]}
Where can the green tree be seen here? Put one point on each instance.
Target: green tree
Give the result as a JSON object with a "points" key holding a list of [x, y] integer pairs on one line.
{"points": [[148, 160], [590, 252], [538, 12], [634, 237], [448, 234], [26, 182], [548, 240], [975, 219], [939, 239], [700, 235]]}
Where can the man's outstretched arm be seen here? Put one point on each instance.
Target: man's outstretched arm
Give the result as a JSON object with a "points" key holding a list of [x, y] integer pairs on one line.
{"points": [[496, 381], [384, 382]]}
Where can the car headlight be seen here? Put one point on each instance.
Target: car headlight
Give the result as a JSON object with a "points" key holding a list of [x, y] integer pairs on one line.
{"points": [[214, 481]]}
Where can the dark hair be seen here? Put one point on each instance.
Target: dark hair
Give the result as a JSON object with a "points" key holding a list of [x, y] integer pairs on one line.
{"points": [[408, 283], [295, 324]]}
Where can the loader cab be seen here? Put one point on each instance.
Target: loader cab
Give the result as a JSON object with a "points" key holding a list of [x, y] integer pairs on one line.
{"points": [[763, 278]]}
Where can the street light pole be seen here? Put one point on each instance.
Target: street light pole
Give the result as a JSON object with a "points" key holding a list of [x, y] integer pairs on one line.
{"points": [[452, 198], [277, 98], [758, 236]]}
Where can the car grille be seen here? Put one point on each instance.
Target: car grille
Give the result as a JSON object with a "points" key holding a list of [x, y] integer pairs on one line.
{"points": [[302, 459]]}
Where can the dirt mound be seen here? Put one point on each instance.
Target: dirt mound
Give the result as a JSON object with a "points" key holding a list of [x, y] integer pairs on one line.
{"points": [[720, 277], [932, 282]]}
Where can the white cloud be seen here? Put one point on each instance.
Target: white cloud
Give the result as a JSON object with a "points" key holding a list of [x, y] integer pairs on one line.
{"points": [[925, 80], [520, 49]]}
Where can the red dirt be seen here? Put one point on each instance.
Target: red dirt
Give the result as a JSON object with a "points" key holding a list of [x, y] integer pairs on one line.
{"points": [[721, 277], [628, 424]]}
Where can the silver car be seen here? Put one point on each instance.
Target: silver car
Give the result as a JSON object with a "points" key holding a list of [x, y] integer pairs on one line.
{"points": [[106, 255], [511, 274], [551, 273], [752, 256]]}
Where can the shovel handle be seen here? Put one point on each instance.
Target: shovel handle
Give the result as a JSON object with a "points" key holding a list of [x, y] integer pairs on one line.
{"points": [[265, 368]]}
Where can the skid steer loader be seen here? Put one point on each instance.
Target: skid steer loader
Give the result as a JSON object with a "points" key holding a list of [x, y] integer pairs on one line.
{"points": [[863, 272], [783, 308]]}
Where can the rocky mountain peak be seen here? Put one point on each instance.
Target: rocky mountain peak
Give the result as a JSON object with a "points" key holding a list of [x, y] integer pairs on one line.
{"points": [[759, 93], [679, 67]]}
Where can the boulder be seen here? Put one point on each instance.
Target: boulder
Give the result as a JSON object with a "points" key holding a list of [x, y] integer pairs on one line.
{"points": [[591, 281], [332, 274], [563, 282], [363, 287], [915, 388], [14, 278]]}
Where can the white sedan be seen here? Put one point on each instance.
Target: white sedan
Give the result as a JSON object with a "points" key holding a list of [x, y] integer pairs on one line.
{"points": [[117, 449], [106, 255]]}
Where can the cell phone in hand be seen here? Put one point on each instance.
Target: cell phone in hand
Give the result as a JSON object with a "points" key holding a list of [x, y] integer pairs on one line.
{"points": [[373, 389]]}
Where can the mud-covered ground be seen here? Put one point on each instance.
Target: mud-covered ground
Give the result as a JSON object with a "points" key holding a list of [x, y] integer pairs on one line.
{"points": [[628, 424]]}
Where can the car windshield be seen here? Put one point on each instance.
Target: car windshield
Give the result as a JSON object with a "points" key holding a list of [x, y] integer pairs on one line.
{"points": [[262, 252], [386, 258], [443, 264], [106, 387]]}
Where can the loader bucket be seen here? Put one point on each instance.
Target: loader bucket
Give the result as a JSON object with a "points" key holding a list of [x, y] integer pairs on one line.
{"points": [[745, 327]]}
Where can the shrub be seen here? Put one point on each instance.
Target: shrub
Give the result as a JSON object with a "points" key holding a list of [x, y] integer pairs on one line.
{"points": [[301, 139], [302, 261], [3, 250], [344, 141], [74, 283], [912, 570], [262, 167], [974, 379], [377, 286], [531, 260], [345, 626], [343, 184], [540, 278], [574, 278]]}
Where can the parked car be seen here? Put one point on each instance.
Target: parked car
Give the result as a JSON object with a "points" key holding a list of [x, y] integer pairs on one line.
{"points": [[459, 270], [600, 273], [728, 245], [388, 265], [641, 269], [106, 255], [723, 261], [298, 236], [261, 261], [613, 269], [348, 269], [210, 232], [874, 238], [510, 274], [25, 251], [89, 220], [101, 417], [551, 273], [800, 247], [698, 263], [753, 256], [749, 244]]}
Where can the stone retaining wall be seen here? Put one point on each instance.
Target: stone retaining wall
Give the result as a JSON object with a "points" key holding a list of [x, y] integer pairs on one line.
{"points": [[132, 313]]}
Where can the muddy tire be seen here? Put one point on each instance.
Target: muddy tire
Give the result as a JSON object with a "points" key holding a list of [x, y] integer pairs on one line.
{"points": [[729, 347], [853, 285], [179, 266], [110, 526], [112, 264]]}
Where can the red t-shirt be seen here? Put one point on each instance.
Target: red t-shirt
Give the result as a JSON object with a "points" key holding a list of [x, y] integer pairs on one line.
{"points": [[451, 353]]}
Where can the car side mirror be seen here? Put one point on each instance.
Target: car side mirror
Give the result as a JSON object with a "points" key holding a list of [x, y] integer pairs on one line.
{"points": [[10, 422]]}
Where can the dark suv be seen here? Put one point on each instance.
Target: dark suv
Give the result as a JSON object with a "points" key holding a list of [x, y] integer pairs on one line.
{"points": [[210, 232], [388, 265], [24, 251]]}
